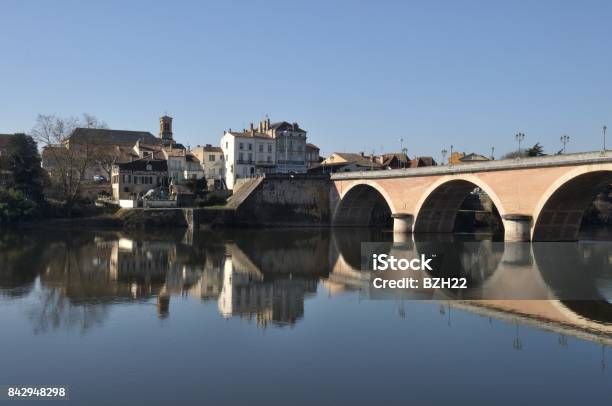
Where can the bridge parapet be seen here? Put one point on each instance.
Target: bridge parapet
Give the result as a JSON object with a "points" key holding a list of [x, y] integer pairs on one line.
{"points": [[582, 158]]}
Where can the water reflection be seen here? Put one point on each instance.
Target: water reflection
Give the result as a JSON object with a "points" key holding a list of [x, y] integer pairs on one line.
{"points": [[73, 278]]}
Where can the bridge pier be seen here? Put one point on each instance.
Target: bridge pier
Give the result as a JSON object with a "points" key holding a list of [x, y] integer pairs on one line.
{"points": [[402, 223], [517, 227]]}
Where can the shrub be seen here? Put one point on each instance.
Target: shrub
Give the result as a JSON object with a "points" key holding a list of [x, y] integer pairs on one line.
{"points": [[16, 206]]}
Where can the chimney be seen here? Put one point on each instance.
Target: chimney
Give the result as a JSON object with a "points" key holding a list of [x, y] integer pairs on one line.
{"points": [[251, 127], [361, 153], [267, 124]]}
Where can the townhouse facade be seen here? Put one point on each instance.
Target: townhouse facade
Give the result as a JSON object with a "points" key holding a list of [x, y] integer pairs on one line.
{"points": [[247, 154], [212, 160]]}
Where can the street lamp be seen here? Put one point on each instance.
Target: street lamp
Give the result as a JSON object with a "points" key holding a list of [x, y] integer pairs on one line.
{"points": [[444, 152], [604, 138], [492, 153], [519, 137], [401, 140], [564, 140], [450, 157]]}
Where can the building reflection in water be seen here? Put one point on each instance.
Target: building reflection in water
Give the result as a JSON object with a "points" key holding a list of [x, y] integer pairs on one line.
{"points": [[268, 276]]}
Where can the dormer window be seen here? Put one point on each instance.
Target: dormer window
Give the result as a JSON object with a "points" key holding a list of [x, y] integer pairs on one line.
{"points": [[149, 167]]}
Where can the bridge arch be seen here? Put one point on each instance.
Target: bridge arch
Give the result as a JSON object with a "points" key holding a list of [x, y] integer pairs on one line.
{"points": [[364, 204], [559, 212], [436, 210]]}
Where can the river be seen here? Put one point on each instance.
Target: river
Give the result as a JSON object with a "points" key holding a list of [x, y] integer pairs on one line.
{"points": [[285, 317]]}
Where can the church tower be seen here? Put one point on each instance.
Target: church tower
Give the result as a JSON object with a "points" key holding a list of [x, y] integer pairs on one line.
{"points": [[165, 128]]}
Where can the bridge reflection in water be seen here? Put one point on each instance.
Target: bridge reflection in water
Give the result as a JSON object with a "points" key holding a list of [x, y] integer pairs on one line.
{"points": [[267, 276]]}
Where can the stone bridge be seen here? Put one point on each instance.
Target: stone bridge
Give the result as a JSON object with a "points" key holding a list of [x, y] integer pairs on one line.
{"points": [[540, 199]]}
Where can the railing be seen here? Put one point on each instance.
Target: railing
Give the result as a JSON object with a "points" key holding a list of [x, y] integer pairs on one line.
{"points": [[582, 158]]}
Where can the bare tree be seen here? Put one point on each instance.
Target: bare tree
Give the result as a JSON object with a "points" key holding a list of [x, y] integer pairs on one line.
{"points": [[65, 156], [105, 157]]}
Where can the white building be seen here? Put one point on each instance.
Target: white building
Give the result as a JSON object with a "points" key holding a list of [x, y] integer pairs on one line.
{"points": [[247, 154], [212, 160]]}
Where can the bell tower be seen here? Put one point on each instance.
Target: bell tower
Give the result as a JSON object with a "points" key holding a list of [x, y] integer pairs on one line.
{"points": [[165, 128]]}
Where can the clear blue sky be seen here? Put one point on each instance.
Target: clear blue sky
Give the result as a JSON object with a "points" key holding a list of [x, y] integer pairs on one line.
{"points": [[356, 74]]}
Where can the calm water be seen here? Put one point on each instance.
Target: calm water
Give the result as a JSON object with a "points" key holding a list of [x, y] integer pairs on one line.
{"points": [[272, 317]]}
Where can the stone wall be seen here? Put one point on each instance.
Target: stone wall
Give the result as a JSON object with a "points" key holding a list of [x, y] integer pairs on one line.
{"points": [[287, 200]]}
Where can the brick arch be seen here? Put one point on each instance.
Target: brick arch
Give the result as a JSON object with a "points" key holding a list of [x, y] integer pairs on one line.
{"points": [[558, 214], [361, 203], [437, 208]]}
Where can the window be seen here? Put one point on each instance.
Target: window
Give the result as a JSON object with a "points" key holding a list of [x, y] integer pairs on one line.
{"points": [[269, 158], [269, 147], [250, 157], [226, 145], [260, 147], [241, 157], [149, 167], [250, 147], [241, 145], [211, 158]]}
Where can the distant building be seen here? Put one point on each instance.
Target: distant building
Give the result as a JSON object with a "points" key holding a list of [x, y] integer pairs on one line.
{"points": [[193, 167], [212, 160], [473, 158], [455, 157], [248, 153], [105, 146], [420, 161], [346, 162], [290, 145], [395, 160], [313, 155], [132, 179]]}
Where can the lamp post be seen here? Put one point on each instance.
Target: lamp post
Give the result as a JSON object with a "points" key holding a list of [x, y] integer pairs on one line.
{"points": [[401, 140], [564, 140], [450, 157], [492, 153], [444, 152], [519, 138], [604, 138]]}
